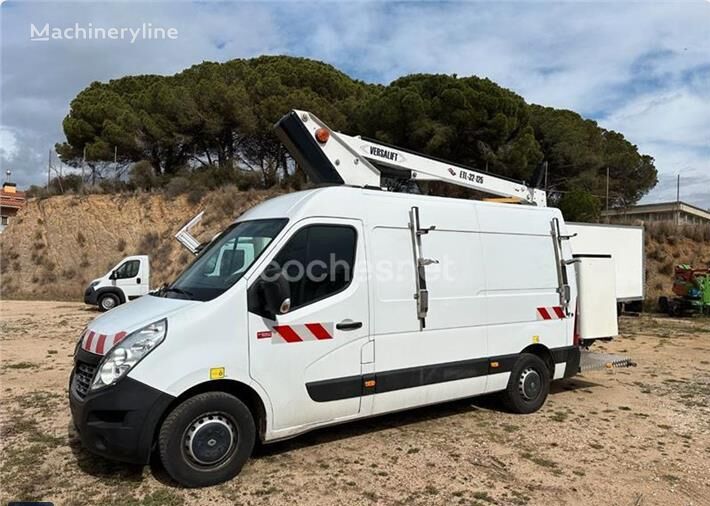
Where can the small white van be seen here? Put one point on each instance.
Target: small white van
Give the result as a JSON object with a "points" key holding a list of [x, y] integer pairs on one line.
{"points": [[127, 280], [336, 304]]}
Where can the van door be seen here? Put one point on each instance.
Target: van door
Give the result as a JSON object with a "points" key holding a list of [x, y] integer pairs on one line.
{"points": [[445, 356], [127, 278], [309, 359]]}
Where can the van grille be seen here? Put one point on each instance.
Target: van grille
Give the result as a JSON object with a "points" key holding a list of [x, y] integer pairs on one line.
{"points": [[83, 376]]}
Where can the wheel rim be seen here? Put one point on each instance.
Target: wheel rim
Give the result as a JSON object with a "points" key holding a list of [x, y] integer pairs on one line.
{"points": [[530, 384], [210, 439], [108, 303]]}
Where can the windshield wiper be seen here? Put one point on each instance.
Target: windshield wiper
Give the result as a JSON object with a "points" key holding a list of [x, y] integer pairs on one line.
{"points": [[173, 289]]}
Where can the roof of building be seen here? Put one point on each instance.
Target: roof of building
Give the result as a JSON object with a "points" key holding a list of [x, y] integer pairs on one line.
{"points": [[12, 200], [660, 207]]}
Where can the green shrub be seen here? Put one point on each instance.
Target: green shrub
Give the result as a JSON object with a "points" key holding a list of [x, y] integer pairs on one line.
{"points": [[195, 195], [580, 205], [142, 176], [177, 186]]}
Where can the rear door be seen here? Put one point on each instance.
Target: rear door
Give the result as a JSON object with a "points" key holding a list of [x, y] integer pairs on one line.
{"points": [[309, 360]]}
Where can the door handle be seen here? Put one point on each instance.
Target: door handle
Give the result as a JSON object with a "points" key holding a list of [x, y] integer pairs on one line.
{"points": [[348, 325], [138, 281]]}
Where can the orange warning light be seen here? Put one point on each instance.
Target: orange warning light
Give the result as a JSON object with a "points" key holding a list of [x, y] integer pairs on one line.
{"points": [[322, 135]]}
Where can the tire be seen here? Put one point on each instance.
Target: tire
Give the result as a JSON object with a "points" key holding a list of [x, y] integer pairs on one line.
{"points": [[527, 393], [663, 304], [108, 301], [207, 439]]}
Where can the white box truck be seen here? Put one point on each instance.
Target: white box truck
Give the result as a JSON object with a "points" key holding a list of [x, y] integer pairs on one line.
{"points": [[624, 244], [351, 302], [125, 281]]}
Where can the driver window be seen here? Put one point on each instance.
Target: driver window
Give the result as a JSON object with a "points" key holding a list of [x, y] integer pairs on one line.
{"points": [[318, 262], [128, 270]]}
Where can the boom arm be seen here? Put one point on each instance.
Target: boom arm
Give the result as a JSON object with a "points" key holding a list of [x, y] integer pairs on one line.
{"points": [[328, 156]]}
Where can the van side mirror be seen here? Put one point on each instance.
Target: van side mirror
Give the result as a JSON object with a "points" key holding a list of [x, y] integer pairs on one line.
{"points": [[276, 291], [114, 275]]}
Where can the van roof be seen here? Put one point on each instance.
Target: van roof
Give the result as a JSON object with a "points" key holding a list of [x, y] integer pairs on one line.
{"points": [[391, 209], [349, 202]]}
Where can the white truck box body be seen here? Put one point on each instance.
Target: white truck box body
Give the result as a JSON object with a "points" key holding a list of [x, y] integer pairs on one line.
{"points": [[624, 243]]}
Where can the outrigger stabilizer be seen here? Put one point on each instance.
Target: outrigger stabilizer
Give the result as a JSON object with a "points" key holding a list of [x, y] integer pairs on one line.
{"points": [[330, 157]]}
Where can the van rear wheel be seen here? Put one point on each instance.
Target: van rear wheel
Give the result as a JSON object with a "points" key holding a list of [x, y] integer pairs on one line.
{"points": [[207, 439], [528, 385]]}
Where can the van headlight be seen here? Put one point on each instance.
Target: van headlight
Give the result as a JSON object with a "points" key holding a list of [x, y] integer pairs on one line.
{"points": [[125, 355]]}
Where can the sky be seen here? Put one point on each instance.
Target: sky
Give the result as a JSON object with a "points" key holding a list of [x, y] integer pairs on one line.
{"points": [[641, 68]]}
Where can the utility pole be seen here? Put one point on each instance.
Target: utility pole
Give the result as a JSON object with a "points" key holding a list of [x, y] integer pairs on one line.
{"points": [[546, 166], [49, 167], [83, 164], [677, 201], [607, 194]]}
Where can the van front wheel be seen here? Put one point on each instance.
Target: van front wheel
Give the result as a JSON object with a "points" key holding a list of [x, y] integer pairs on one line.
{"points": [[528, 385], [108, 301], [207, 439]]}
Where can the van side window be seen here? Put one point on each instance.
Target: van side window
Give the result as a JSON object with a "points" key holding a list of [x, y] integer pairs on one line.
{"points": [[128, 269], [318, 262]]}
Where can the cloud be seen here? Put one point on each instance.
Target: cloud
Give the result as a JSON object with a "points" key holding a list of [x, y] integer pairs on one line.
{"points": [[8, 144], [642, 68]]}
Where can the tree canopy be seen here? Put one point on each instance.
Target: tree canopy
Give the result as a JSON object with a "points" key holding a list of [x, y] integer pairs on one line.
{"points": [[216, 119], [579, 152], [467, 120]]}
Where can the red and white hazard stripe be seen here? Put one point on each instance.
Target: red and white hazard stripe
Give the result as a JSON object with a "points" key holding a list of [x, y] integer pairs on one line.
{"points": [[300, 333], [550, 313], [93, 342]]}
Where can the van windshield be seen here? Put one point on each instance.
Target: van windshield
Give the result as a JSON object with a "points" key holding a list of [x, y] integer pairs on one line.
{"points": [[224, 261]]}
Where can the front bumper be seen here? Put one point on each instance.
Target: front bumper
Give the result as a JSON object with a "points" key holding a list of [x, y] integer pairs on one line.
{"points": [[90, 296], [117, 422]]}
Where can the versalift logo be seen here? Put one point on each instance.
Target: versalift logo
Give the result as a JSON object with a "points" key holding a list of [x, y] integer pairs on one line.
{"points": [[89, 32]]}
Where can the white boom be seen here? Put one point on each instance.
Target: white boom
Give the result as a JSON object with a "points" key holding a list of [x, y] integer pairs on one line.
{"points": [[328, 156]]}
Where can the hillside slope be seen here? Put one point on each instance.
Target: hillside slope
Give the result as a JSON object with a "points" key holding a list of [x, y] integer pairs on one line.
{"points": [[57, 245]]}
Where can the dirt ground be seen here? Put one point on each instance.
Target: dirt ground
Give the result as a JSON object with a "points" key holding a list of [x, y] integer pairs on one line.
{"points": [[637, 436]]}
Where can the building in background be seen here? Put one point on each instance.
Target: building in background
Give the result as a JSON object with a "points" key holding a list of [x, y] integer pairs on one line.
{"points": [[11, 201], [675, 212]]}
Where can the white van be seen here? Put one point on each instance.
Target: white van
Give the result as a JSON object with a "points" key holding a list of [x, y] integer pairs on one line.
{"points": [[346, 303], [127, 280]]}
